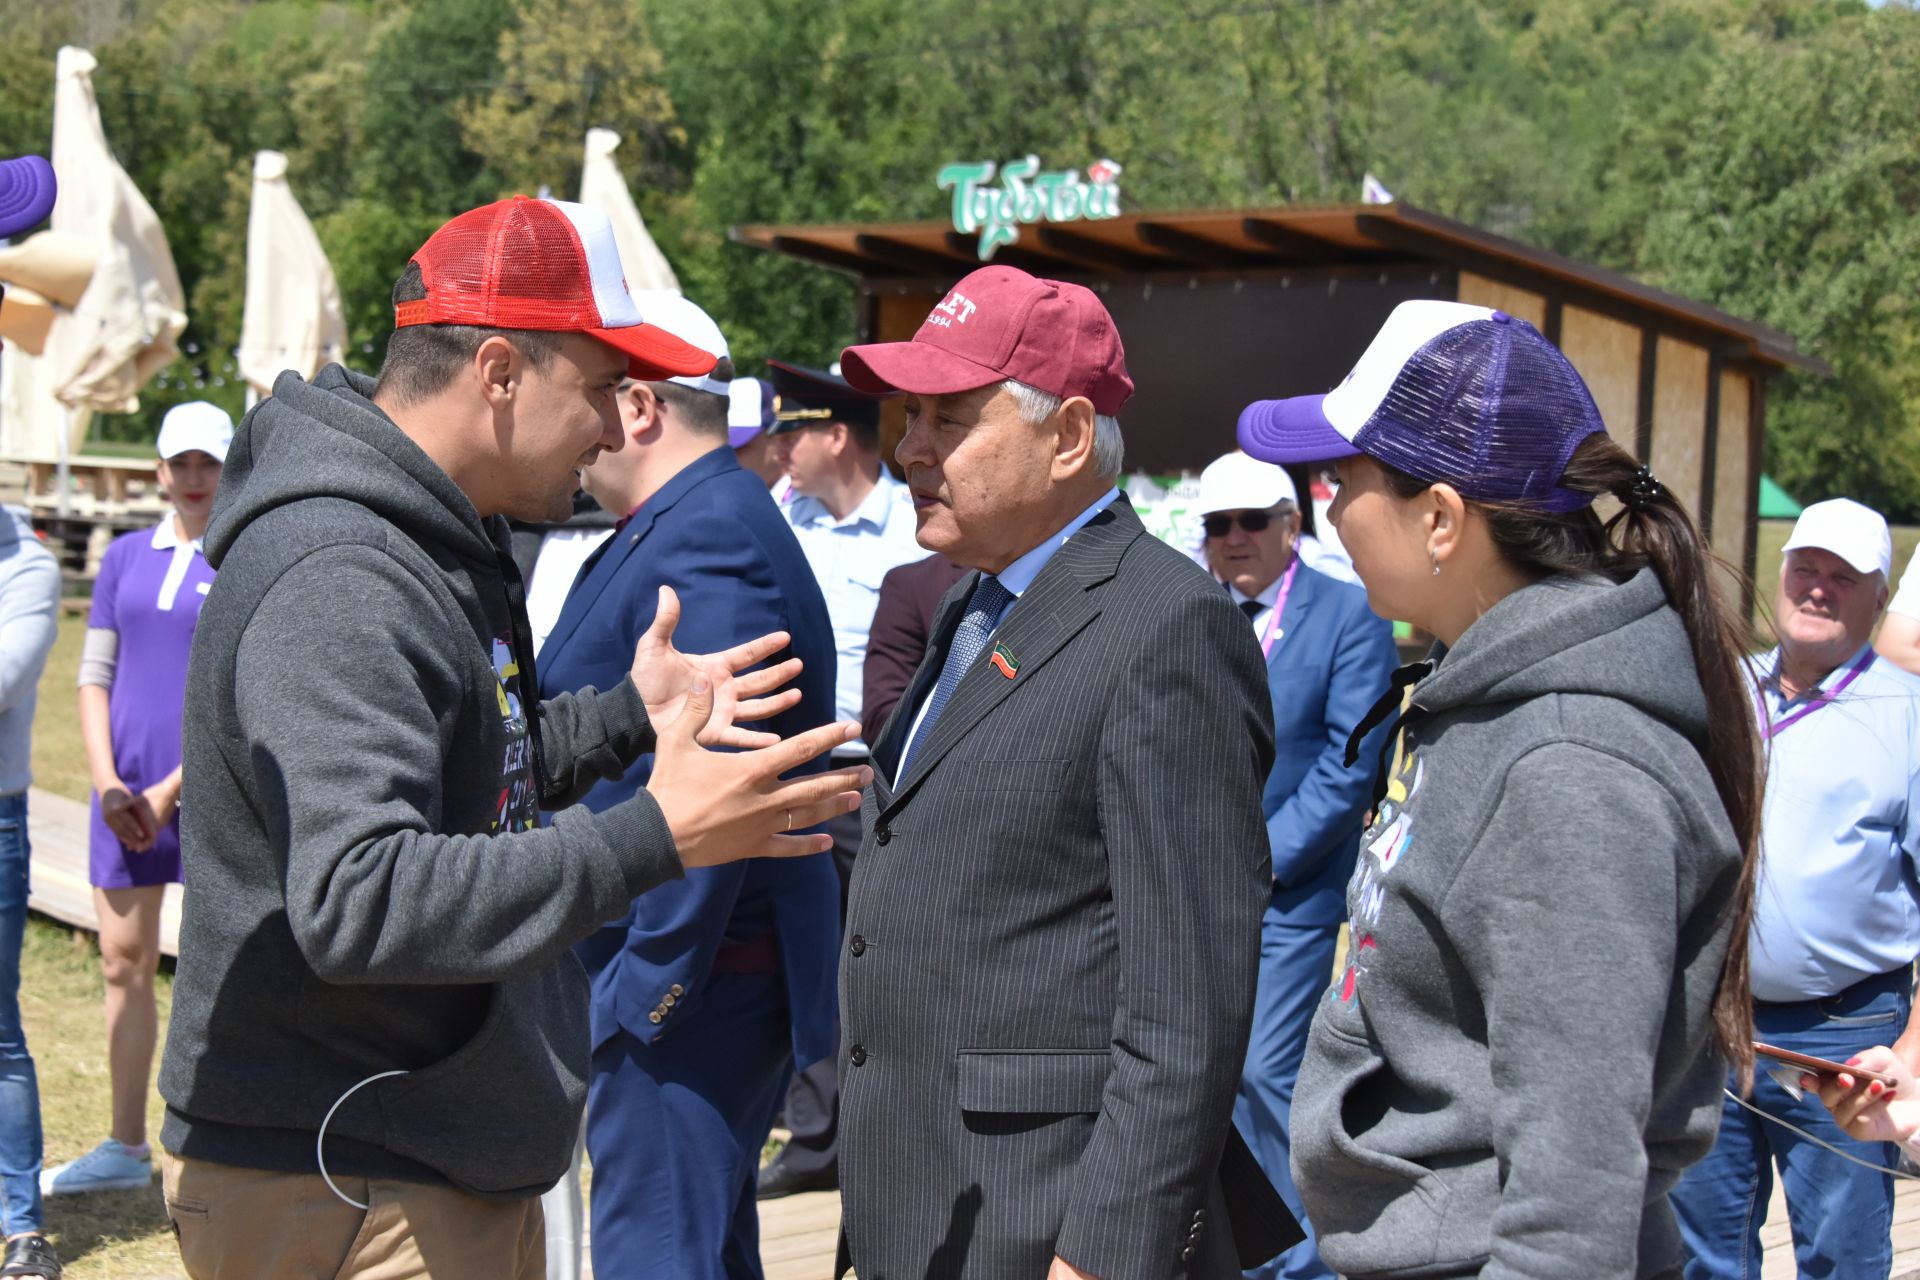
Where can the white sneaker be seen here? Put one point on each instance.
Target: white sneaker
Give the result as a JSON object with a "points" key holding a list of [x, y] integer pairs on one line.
{"points": [[108, 1167]]}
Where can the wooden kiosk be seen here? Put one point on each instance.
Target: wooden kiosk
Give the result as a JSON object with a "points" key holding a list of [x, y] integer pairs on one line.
{"points": [[1220, 308]]}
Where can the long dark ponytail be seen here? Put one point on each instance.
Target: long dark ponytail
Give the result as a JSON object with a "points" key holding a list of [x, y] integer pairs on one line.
{"points": [[1652, 528]]}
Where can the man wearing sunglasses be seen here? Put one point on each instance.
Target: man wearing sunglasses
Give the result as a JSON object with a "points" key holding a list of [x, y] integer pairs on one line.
{"points": [[1328, 658]]}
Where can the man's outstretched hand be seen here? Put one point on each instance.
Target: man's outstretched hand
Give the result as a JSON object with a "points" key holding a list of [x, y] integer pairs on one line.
{"points": [[723, 806], [664, 676]]}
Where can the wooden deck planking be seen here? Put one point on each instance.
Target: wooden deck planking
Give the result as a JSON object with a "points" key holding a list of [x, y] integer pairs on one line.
{"points": [[799, 1235], [1776, 1238], [57, 830]]}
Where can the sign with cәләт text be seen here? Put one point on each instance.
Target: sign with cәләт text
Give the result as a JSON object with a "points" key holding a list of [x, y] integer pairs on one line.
{"points": [[1025, 196]]}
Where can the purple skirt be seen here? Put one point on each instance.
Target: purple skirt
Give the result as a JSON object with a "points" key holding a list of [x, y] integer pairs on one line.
{"points": [[111, 865]]}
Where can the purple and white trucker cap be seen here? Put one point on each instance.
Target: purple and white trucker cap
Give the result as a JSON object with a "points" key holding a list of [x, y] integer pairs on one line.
{"points": [[27, 190], [1448, 393], [750, 411]]}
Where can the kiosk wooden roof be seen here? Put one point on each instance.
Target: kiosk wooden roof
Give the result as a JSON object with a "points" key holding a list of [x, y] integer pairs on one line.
{"points": [[1265, 240], [1221, 307]]}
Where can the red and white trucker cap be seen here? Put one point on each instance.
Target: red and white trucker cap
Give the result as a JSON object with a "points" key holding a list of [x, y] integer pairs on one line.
{"points": [[545, 265], [1000, 322]]}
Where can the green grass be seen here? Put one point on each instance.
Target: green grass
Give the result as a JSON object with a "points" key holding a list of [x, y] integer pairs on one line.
{"points": [[59, 759], [118, 1235]]}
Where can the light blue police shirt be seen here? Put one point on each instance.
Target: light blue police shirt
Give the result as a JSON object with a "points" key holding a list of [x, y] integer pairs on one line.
{"points": [[849, 558], [1837, 900]]}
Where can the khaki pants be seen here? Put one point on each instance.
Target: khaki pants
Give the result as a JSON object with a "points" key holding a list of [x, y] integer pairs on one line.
{"points": [[250, 1224]]}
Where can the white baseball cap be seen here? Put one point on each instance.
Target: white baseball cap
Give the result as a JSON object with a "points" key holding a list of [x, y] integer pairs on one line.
{"points": [[1855, 533], [196, 425], [1236, 482], [671, 311]]}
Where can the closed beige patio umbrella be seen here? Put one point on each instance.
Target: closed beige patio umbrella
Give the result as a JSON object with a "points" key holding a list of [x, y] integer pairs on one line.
{"points": [[123, 329], [602, 188], [293, 317]]}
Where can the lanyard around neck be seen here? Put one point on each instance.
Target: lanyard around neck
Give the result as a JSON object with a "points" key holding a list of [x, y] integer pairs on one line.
{"points": [[1279, 604], [1818, 699]]}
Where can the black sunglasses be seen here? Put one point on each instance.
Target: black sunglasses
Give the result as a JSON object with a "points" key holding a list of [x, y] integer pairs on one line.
{"points": [[1217, 526]]}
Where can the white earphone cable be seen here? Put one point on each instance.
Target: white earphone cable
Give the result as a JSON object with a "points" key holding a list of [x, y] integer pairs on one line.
{"points": [[319, 1139], [1844, 1155]]}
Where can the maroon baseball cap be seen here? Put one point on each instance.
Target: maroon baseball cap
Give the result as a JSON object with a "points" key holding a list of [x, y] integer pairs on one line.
{"points": [[1000, 322]]}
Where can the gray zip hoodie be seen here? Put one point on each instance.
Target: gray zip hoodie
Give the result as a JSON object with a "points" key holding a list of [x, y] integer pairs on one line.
{"points": [[1517, 1063], [363, 763]]}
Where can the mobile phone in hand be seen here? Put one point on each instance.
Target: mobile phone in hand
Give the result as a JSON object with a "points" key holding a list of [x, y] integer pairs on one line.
{"points": [[1820, 1066]]}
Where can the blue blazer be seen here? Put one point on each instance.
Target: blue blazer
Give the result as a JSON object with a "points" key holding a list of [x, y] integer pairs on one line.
{"points": [[713, 534], [1333, 660]]}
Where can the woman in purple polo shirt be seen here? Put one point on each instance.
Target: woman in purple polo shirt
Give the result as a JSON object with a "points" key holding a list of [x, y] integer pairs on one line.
{"points": [[133, 676]]}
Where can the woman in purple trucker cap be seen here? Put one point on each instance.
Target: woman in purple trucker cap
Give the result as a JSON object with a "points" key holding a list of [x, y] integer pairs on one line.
{"points": [[1547, 977]]}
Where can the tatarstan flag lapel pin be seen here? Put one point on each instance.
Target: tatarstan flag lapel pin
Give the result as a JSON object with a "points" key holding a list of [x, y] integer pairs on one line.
{"points": [[1004, 662]]}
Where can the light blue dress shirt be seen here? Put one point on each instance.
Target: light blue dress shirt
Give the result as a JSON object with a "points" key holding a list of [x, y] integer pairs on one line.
{"points": [[850, 557], [1840, 834], [1019, 575]]}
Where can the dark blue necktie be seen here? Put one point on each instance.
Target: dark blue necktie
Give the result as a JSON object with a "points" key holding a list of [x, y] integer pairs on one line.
{"points": [[984, 607]]}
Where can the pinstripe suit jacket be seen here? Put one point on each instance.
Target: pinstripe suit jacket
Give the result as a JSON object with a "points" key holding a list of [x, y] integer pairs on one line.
{"points": [[1053, 935]]}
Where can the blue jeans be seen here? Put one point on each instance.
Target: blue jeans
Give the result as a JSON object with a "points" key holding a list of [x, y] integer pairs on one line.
{"points": [[1842, 1214], [1296, 964], [19, 1085]]}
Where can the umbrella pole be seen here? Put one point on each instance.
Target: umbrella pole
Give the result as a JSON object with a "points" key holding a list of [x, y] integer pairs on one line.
{"points": [[253, 398], [63, 471]]}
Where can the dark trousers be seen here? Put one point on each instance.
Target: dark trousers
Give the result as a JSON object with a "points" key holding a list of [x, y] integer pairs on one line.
{"points": [[675, 1131], [813, 1101], [1296, 964]]}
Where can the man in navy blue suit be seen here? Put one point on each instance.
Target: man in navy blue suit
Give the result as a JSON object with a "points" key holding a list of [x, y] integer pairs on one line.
{"points": [[712, 989], [1328, 659]]}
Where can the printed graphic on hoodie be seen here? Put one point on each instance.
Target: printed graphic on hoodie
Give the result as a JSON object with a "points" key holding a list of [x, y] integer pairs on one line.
{"points": [[519, 802], [1381, 849]]}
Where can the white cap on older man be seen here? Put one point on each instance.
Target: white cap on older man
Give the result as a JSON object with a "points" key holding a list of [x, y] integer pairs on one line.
{"points": [[1855, 533], [196, 425], [665, 309], [1237, 482]]}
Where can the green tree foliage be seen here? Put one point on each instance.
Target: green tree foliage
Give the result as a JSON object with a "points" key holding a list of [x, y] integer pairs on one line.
{"points": [[1756, 154], [1794, 202], [567, 66]]}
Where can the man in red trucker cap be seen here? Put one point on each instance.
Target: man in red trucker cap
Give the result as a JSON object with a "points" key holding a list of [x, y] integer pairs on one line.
{"points": [[379, 1044], [1053, 932]]}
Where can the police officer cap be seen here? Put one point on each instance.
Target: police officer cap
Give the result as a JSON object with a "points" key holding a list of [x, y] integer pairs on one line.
{"points": [[806, 397]]}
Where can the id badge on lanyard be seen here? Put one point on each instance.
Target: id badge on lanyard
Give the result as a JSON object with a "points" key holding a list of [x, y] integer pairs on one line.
{"points": [[1274, 633]]}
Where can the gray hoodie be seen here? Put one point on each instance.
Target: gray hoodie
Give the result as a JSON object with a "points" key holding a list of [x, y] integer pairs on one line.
{"points": [[368, 891], [1517, 1063]]}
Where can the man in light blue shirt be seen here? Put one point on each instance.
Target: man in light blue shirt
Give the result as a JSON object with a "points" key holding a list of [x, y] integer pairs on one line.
{"points": [[1836, 921], [855, 523], [854, 520]]}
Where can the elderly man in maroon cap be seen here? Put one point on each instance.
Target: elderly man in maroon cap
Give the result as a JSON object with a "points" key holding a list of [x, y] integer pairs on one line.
{"points": [[1054, 926]]}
